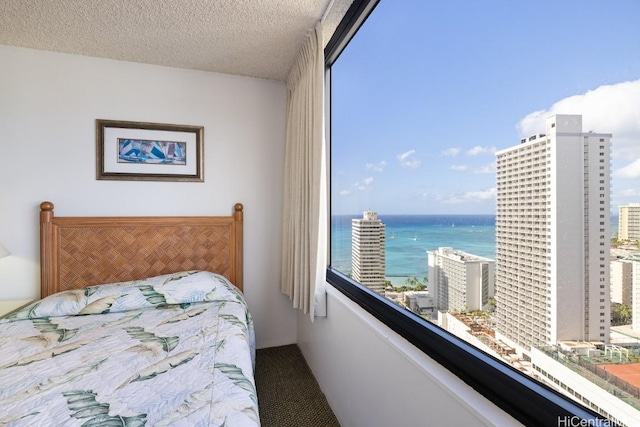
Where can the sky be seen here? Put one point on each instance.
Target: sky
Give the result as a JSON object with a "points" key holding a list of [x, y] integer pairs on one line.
{"points": [[427, 91]]}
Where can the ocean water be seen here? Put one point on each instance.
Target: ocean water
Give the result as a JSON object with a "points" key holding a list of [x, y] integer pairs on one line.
{"points": [[410, 236]]}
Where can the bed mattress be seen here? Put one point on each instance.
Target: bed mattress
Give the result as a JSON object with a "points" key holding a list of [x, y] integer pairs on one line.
{"points": [[169, 350]]}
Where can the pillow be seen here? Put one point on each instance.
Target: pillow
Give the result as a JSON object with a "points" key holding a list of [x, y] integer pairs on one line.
{"points": [[176, 288]]}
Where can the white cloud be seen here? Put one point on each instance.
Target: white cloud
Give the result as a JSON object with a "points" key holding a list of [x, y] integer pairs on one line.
{"points": [[377, 167], [408, 160], [451, 152], [490, 168], [404, 156], [629, 192], [412, 164], [345, 192], [481, 195], [364, 184], [611, 109], [630, 171], [449, 200], [469, 197], [477, 150]]}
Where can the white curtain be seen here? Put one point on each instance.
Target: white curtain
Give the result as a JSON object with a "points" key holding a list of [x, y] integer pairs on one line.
{"points": [[304, 246]]}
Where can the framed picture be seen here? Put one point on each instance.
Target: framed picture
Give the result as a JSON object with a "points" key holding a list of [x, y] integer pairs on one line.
{"points": [[149, 151]]}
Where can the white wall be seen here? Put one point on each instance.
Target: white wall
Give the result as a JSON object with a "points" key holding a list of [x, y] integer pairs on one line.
{"points": [[566, 209], [372, 377], [48, 106]]}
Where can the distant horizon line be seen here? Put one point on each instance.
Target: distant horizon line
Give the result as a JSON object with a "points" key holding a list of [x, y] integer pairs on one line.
{"points": [[414, 214], [388, 214], [436, 214]]}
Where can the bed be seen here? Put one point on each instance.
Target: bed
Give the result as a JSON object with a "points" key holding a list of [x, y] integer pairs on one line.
{"points": [[141, 321]]}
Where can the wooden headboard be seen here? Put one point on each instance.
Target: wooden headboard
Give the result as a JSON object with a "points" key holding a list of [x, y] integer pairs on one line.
{"points": [[82, 251]]}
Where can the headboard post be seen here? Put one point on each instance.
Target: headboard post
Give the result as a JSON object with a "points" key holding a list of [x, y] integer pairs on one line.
{"points": [[48, 269], [238, 217]]}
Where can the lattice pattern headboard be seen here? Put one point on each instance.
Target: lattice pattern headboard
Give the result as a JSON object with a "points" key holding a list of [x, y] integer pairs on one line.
{"points": [[81, 251]]}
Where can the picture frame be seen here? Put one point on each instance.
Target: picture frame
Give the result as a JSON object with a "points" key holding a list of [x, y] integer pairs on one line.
{"points": [[142, 151]]}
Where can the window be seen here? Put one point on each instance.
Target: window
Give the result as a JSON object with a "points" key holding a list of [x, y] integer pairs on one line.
{"points": [[425, 147]]}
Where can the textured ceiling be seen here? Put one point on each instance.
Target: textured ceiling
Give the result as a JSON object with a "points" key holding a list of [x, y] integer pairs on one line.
{"points": [[258, 38]]}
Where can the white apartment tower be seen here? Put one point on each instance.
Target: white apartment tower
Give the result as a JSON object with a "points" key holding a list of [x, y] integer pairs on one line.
{"points": [[553, 236], [635, 297], [629, 222], [368, 251], [621, 281], [459, 280]]}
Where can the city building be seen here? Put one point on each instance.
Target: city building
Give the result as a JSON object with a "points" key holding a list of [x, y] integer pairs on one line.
{"points": [[553, 236], [629, 222], [621, 270], [460, 281], [420, 302], [368, 251], [607, 390], [635, 294]]}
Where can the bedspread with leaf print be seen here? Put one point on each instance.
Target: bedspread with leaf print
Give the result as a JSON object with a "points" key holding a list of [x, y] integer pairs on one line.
{"points": [[169, 350]]}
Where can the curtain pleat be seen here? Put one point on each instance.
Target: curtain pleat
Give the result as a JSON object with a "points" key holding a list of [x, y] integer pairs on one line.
{"points": [[305, 217]]}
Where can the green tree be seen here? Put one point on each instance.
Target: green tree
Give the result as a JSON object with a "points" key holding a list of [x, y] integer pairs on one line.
{"points": [[625, 314], [415, 284], [620, 314], [615, 241], [492, 304]]}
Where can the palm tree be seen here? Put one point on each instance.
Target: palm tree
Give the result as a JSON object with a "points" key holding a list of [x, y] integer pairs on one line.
{"points": [[415, 284], [615, 241]]}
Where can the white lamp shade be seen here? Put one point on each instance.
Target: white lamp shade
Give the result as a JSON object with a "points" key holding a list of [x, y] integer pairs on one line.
{"points": [[3, 251]]}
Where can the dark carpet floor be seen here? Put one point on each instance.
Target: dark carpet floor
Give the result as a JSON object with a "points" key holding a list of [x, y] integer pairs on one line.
{"points": [[288, 394]]}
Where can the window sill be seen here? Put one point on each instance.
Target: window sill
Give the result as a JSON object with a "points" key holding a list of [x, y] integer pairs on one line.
{"points": [[525, 399]]}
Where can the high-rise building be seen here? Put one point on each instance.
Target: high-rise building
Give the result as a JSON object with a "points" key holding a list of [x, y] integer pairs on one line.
{"points": [[553, 236], [459, 280], [621, 275], [635, 294], [629, 222], [368, 251]]}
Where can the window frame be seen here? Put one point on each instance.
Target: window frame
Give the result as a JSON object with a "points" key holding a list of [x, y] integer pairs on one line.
{"points": [[525, 399]]}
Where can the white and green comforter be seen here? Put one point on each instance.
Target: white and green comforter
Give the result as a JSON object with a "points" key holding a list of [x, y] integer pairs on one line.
{"points": [[170, 350]]}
